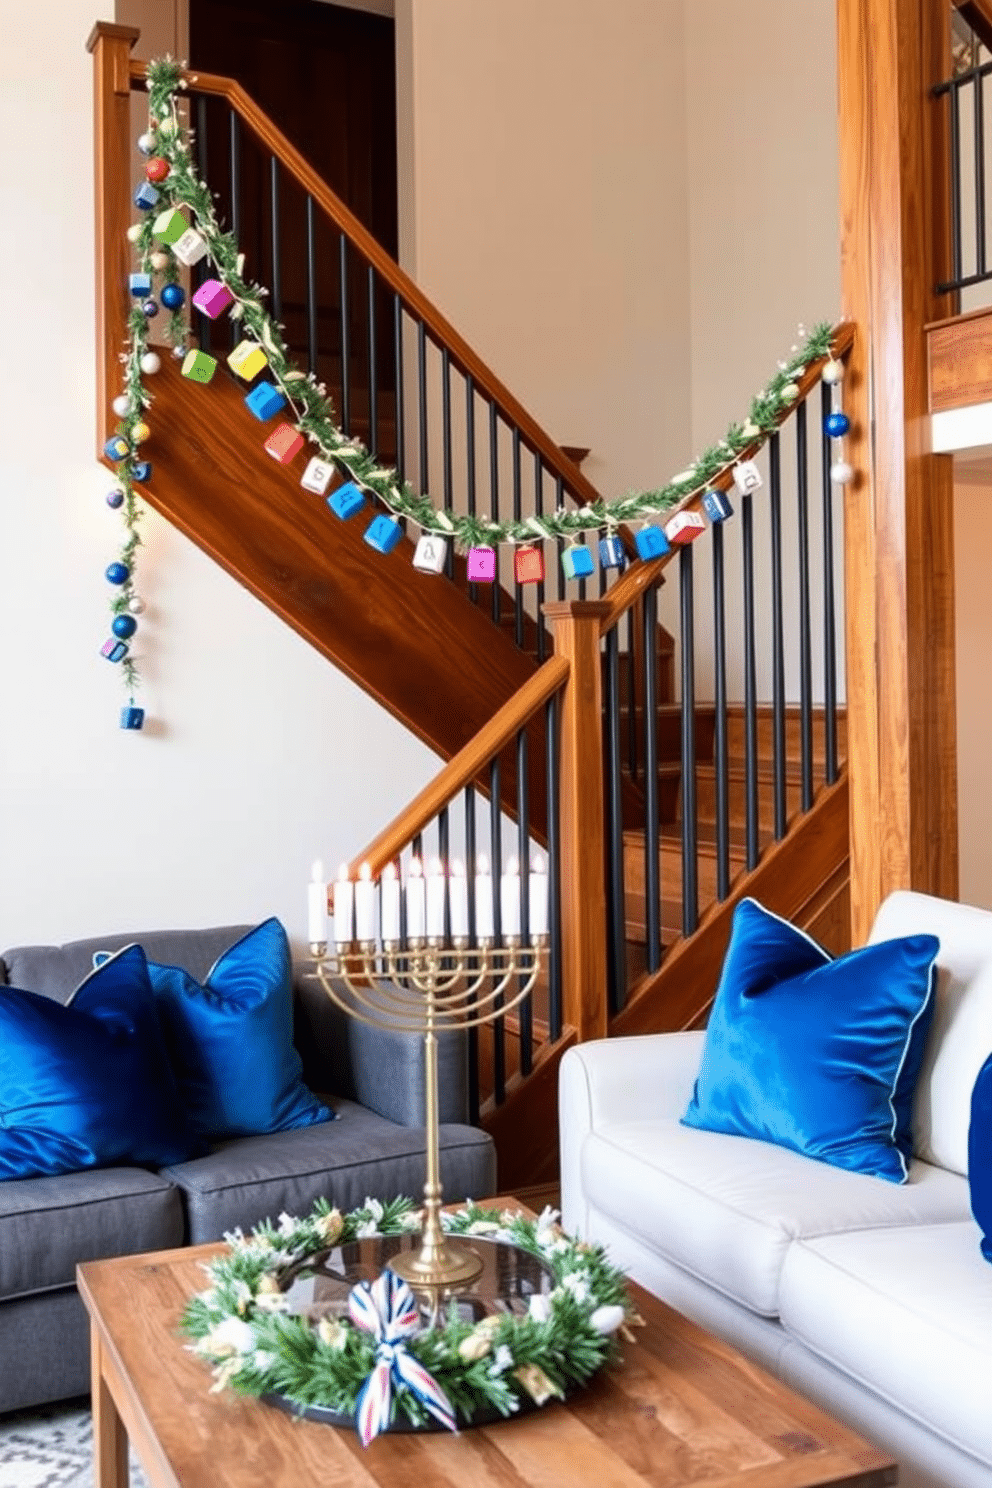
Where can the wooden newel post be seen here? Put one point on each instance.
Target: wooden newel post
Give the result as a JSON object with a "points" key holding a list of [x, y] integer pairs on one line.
{"points": [[575, 629], [111, 48]]}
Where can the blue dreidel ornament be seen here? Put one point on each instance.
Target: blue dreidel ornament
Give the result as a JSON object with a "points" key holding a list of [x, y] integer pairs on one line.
{"points": [[716, 505], [346, 501], [652, 542], [577, 563], [383, 533], [140, 285], [146, 196], [114, 650], [611, 552], [265, 401], [132, 717]]}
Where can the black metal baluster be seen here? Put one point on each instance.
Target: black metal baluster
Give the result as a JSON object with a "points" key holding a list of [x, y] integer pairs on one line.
{"points": [[373, 371], [425, 474], [778, 639], [473, 589], [417, 847], [955, 181], [234, 148], [750, 689], [542, 637], [720, 723], [443, 852], [554, 869], [473, 1033], [652, 823], [829, 622], [582, 582], [276, 286], [690, 828], [518, 590], [631, 697], [345, 335], [496, 863], [497, 595], [449, 560], [400, 408], [980, 174], [616, 918], [560, 543], [313, 349], [526, 1008], [805, 647]]}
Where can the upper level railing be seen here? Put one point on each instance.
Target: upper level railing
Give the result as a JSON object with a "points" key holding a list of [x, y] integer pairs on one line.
{"points": [[959, 125]]}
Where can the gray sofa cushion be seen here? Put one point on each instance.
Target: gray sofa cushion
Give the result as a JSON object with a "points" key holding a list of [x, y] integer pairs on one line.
{"points": [[44, 1355], [48, 1224], [360, 1155], [55, 971]]}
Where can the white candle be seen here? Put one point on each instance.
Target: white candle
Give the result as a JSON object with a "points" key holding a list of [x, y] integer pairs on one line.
{"points": [[416, 902], [344, 898], [390, 910], [538, 901], [317, 905], [458, 898], [365, 905], [435, 899], [509, 899], [483, 899]]}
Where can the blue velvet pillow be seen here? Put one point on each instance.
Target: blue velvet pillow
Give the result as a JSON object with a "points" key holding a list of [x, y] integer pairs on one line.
{"points": [[816, 1054], [980, 1155], [231, 1040], [88, 1085]]}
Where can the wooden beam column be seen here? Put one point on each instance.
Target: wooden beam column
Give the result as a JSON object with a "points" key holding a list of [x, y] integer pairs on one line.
{"points": [[902, 746], [575, 629]]}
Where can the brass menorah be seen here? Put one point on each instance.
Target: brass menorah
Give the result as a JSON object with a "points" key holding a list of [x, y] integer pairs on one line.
{"points": [[429, 988]]}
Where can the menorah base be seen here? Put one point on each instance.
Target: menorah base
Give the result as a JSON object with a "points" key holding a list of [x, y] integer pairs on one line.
{"points": [[447, 1266]]}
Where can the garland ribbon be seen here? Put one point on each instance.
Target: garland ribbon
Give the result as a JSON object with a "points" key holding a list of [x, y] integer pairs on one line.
{"points": [[387, 1309]]}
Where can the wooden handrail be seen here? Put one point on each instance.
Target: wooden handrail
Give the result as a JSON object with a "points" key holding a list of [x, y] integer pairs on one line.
{"points": [[465, 766], [629, 589], [460, 353], [978, 15]]}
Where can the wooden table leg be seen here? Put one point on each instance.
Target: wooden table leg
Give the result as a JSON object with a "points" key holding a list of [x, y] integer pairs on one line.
{"points": [[110, 1464]]}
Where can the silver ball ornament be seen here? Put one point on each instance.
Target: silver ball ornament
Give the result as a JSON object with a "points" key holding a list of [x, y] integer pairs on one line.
{"points": [[841, 473], [121, 404], [136, 605], [833, 372], [179, 352], [134, 232], [151, 363], [159, 261], [146, 143]]}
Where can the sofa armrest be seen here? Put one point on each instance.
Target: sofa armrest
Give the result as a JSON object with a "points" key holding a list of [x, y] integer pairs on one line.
{"points": [[381, 1068], [607, 1081]]}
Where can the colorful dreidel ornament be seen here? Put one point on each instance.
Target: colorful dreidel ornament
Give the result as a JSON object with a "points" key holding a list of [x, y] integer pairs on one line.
{"points": [[199, 366], [169, 226], [577, 562], [383, 533], [346, 501], [747, 477], [146, 196], [132, 717], [317, 476], [114, 650], [116, 448], [684, 528], [284, 443], [265, 401], [247, 360], [173, 296], [139, 285], [117, 573], [716, 505], [651, 542], [528, 566], [157, 168], [124, 626], [213, 298], [481, 565], [611, 551], [141, 470], [430, 553], [190, 248], [836, 424]]}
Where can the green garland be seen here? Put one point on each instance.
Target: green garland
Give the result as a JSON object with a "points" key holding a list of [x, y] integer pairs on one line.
{"points": [[314, 414], [255, 1347]]}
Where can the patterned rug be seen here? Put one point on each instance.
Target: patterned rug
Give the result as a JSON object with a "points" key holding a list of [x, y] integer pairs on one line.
{"points": [[51, 1448]]}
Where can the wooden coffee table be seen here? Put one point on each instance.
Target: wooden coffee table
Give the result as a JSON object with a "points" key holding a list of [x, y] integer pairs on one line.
{"points": [[683, 1408]]}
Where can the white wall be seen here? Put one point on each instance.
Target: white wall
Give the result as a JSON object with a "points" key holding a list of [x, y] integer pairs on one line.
{"points": [[261, 756]]}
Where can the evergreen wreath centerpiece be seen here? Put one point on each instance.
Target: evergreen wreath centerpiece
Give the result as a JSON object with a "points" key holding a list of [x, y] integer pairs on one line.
{"points": [[384, 1361]]}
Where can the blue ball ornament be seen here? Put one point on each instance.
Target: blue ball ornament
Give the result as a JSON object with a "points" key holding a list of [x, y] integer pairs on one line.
{"points": [[118, 573], [115, 499], [173, 296], [836, 424], [149, 308], [124, 626]]}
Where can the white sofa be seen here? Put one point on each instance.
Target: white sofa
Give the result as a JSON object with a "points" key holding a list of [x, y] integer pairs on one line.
{"points": [[872, 1299]]}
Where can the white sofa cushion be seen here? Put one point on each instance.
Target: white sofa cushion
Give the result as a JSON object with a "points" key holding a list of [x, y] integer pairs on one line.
{"points": [[961, 1033], [908, 1312], [727, 1208]]}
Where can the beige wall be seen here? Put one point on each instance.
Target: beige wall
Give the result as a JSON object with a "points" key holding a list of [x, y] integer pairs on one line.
{"points": [[973, 544]]}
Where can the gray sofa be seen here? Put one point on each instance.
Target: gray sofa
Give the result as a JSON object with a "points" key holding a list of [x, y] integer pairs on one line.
{"points": [[374, 1081]]}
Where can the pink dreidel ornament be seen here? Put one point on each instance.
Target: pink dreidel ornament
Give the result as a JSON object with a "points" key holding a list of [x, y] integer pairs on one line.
{"points": [[481, 565], [213, 298]]}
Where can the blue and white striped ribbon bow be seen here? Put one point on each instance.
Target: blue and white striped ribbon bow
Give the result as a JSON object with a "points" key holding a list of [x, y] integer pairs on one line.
{"points": [[387, 1309]]}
